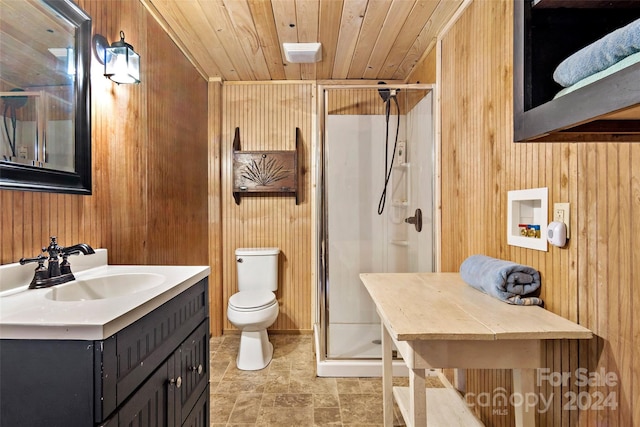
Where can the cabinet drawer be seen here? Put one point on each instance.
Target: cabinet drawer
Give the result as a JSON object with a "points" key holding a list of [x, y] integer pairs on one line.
{"points": [[142, 346]]}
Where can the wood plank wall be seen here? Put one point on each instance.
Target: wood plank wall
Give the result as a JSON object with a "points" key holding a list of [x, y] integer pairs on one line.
{"points": [[217, 307], [267, 115], [149, 158], [592, 280]]}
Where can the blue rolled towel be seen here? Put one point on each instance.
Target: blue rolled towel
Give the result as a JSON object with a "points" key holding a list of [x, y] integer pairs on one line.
{"points": [[599, 55], [510, 282]]}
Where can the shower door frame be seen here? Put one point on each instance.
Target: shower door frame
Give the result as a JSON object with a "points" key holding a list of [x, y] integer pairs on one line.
{"points": [[321, 307]]}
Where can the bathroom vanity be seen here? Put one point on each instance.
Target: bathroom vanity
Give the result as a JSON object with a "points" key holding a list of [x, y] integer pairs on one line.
{"points": [[139, 357]]}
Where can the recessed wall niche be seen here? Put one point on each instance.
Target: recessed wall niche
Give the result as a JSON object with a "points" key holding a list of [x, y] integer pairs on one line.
{"points": [[527, 218]]}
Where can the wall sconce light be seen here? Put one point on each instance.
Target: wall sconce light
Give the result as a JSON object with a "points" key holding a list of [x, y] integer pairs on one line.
{"points": [[121, 62]]}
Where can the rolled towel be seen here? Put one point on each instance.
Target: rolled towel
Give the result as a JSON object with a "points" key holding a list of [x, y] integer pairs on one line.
{"points": [[599, 55], [510, 282]]}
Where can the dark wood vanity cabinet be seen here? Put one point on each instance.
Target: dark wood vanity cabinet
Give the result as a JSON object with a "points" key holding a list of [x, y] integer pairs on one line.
{"points": [[545, 33], [154, 372], [175, 390]]}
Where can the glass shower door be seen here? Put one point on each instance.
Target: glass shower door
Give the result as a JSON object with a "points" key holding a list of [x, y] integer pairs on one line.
{"points": [[357, 238]]}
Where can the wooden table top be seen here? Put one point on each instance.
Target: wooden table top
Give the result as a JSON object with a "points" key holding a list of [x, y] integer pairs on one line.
{"points": [[441, 306]]}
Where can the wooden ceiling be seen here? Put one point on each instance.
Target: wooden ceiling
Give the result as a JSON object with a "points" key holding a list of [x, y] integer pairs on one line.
{"points": [[241, 40]]}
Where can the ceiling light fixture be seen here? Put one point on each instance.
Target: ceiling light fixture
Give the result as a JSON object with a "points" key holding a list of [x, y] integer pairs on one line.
{"points": [[302, 53]]}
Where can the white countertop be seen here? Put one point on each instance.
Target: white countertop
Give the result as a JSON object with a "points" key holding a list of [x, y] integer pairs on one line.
{"points": [[29, 314]]}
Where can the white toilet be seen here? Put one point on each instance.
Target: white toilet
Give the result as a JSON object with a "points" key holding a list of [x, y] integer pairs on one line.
{"points": [[254, 307]]}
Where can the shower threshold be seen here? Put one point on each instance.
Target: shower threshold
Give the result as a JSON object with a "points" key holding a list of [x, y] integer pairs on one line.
{"points": [[352, 367]]}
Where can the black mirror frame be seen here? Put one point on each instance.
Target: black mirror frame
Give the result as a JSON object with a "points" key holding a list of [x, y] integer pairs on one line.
{"points": [[31, 178]]}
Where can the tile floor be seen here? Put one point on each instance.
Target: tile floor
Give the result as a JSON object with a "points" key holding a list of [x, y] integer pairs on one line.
{"points": [[288, 393]]}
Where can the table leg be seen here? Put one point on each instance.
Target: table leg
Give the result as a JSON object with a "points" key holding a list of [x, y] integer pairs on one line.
{"points": [[523, 389], [418, 398], [387, 377]]}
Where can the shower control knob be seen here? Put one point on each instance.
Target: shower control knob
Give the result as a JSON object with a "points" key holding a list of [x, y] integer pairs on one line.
{"points": [[416, 220]]}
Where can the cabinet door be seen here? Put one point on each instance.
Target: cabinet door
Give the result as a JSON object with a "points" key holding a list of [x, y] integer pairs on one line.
{"points": [[145, 344], [152, 404], [199, 415], [192, 359]]}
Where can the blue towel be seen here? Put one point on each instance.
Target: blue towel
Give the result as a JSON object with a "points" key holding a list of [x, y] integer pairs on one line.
{"points": [[510, 282], [599, 55]]}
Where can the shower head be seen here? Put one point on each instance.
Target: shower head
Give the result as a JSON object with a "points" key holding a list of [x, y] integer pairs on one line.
{"points": [[385, 94], [15, 101]]}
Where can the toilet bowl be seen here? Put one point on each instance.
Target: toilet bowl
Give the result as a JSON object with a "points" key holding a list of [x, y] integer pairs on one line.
{"points": [[253, 312], [254, 307]]}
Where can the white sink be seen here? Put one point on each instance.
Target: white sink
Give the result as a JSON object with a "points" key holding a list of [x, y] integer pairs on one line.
{"points": [[103, 287], [101, 301]]}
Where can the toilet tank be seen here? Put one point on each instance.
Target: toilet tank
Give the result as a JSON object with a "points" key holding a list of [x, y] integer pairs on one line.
{"points": [[257, 268]]}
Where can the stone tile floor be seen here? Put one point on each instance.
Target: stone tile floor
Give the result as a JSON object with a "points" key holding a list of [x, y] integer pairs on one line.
{"points": [[288, 392]]}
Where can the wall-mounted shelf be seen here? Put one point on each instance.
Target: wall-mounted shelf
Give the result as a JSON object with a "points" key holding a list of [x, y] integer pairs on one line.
{"points": [[401, 193], [264, 171], [545, 33]]}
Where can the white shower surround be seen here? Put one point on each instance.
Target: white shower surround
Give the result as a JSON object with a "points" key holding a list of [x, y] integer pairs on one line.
{"points": [[361, 242]]}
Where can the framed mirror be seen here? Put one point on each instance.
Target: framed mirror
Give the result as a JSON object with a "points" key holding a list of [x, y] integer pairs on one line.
{"points": [[45, 110]]}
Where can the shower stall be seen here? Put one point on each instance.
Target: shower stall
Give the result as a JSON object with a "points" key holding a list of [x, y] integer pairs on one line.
{"points": [[376, 212]]}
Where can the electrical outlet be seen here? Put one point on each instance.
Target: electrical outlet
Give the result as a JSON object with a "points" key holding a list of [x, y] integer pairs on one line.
{"points": [[561, 214], [558, 215]]}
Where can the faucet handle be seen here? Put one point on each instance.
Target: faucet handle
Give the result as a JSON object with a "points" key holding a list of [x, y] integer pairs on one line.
{"points": [[40, 259], [41, 273], [54, 249]]}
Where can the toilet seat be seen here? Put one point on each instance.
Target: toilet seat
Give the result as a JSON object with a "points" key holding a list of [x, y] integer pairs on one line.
{"points": [[252, 300]]}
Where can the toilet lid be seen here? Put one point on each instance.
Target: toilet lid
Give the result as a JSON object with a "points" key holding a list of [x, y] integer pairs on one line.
{"points": [[252, 300]]}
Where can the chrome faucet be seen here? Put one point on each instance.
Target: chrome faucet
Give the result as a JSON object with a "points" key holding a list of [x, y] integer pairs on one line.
{"points": [[56, 272]]}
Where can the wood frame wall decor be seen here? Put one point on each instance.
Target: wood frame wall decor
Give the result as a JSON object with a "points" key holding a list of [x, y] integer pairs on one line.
{"points": [[264, 171]]}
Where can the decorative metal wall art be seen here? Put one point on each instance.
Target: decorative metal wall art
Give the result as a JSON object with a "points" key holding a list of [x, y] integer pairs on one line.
{"points": [[264, 171]]}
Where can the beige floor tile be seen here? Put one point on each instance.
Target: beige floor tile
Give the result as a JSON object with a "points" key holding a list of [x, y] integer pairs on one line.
{"points": [[312, 384], [218, 368], [371, 385], [321, 400], [241, 386], [348, 385], [221, 406], [280, 364], [326, 417], [285, 416], [361, 408], [246, 409], [288, 393], [234, 374], [277, 382], [290, 400]]}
